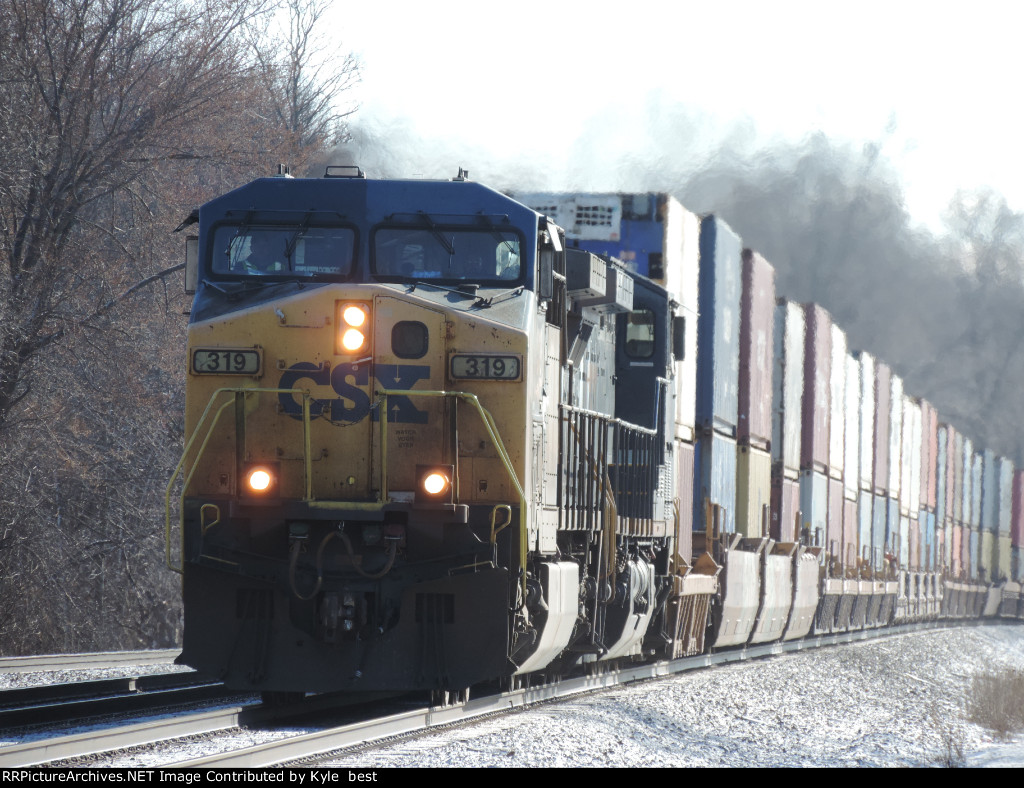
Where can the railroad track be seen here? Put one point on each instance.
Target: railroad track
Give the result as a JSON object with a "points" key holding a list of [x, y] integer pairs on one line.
{"points": [[366, 722], [99, 659], [61, 703]]}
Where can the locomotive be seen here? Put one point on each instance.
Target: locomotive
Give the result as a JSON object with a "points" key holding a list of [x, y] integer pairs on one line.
{"points": [[438, 436]]}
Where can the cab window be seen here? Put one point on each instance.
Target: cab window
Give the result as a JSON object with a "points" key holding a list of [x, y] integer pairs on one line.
{"points": [[283, 251], [640, 334], [418, 254]]}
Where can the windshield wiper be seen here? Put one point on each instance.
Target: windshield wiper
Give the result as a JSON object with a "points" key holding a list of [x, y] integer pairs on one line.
{"points": [[438, 236], [289, 248]]}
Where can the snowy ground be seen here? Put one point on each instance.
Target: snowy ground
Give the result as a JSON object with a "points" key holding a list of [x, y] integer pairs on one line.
{"points": [[895, 702]]}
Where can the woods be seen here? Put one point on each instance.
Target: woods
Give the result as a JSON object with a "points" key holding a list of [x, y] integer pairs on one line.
{"points": [[117, 117]]}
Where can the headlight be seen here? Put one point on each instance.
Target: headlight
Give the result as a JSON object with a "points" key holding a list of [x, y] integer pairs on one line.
{"points": [[353, 320], [435, 483], [352, 339], [259, 480]]}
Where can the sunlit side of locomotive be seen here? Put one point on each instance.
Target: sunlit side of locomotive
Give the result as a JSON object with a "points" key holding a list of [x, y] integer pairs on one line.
{"points": [[359, 425]]}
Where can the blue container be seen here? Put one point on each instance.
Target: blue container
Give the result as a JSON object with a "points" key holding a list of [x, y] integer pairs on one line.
{"points": [[928, 521], [903, 540], [892, 525], [879, 510], [864, 524], [715, 480], [814, 505], [718, 327], [1017, 564]]}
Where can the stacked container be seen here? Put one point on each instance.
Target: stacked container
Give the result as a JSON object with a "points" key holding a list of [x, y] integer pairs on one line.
{"points": [[754, 425], [866, 364], [959, 496], [893, 488], [817, 414], [851, 465], [943, 501], [989, 525], [836, 447], [910, 486], [1002, 563], [787, 420], [931, 535], [718, 361], [1017, 527], [880, 474]]}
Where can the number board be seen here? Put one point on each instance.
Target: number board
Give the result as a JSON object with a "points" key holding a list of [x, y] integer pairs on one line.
{"points": [[226, 361], [485, 367]]}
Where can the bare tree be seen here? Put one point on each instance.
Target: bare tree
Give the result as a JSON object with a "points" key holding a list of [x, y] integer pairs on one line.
{"points": [[307, 78], [93, 95]]}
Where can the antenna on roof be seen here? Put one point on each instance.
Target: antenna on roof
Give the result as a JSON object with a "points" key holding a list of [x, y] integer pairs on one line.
{"points": [[462, 176]]}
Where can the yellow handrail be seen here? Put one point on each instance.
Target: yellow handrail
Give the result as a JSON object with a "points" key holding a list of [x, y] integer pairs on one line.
{"points": [[307, 464], [382, 396]]}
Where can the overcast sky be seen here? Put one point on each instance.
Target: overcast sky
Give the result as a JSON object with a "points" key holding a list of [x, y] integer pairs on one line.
{"points": [[936, 83]]}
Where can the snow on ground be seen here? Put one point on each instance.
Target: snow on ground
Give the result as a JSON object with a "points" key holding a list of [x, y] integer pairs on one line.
{"points": [[898, 701]]}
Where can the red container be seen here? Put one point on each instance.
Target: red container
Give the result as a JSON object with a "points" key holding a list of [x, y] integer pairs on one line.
{"points": [[757, 319], [684, 470], [929, 455], [883, 384], [950, 471], [785, 508], [1017, 518], [817, 402]]}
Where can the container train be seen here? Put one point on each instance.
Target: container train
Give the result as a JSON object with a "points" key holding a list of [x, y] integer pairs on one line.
{"points": [[439, 436]]}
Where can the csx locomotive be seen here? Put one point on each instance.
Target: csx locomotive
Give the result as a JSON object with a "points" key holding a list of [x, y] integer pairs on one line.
{"points": [[433, 440]]}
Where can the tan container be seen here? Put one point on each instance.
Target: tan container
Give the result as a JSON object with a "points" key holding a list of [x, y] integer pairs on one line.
{"points": [[753, 491]]}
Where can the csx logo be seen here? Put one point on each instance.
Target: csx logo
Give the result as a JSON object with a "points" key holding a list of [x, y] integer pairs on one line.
{"points": [[353, 402]]}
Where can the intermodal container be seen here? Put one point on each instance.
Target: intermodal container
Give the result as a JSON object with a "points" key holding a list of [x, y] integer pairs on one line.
{"points": [[941, 476], [976, 499], [1017, 564], [967, 490], [837, 399], [894, 487], [1005, 496], [682, 271], [867, 418], [957, 448], [1017, 523], [785, 525], [929, 455], [834, 532], [910, 458], [788, 385], [715, 469], [851, 528], [817, 404], [929, 540], [987, 561], [1004, 555], [883, 385], [851, 463], [684, 476], [911, 538], [864, 520], [989, 491], [893, 530], [757, 320], [975, 546], [879, 512], [814, 505], [753, 491], [956, 550], [718, 328]]}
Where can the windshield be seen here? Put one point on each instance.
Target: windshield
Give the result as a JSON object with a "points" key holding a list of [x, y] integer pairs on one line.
{"points": [[464, 255], [283, 250]]}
